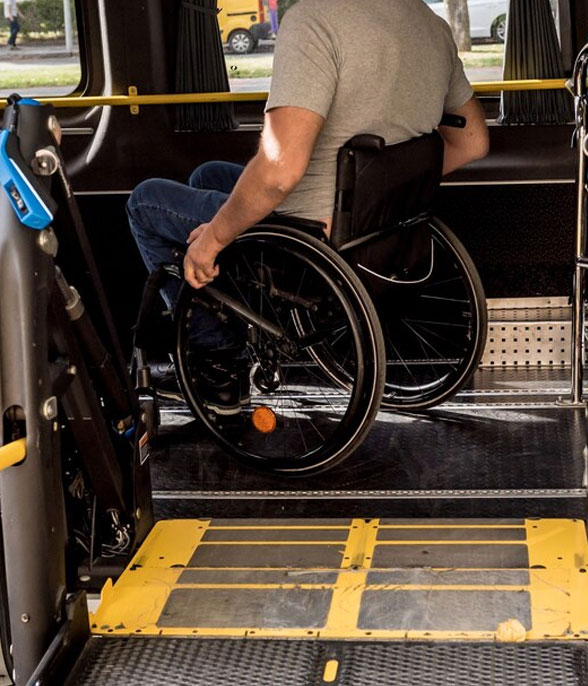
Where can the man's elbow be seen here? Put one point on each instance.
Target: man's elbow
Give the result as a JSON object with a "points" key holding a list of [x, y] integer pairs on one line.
{"points": [[481, 146], [477, 148], [282, 178]]}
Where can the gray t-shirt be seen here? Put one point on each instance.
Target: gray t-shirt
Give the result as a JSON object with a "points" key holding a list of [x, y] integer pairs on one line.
{"points": [[387, 67]]}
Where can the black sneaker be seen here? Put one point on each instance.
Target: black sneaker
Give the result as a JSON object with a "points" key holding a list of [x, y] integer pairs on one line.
{"points": [[163, 376], [222, 383]]}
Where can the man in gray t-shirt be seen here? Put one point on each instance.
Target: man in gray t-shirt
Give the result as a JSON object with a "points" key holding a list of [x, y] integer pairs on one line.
{"points": [[341, 67], [386, 67]]}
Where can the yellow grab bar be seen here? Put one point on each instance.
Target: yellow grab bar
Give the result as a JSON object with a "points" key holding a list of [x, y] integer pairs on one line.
{"points": [[526, 85], [193, 98], [13, 453]]}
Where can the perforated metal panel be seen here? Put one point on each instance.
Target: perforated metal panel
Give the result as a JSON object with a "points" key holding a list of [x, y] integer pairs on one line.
{"points": [[222, 662], [451, 664], [528, 332], [187, 662]]}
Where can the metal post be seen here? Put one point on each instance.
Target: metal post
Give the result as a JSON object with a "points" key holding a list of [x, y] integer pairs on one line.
{"points": [[68, 26], [579, 274], [33, 514]]}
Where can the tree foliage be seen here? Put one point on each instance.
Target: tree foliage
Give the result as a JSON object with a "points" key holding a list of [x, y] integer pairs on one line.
{"points": [[42, 16], [459, 19], [283, 5]]}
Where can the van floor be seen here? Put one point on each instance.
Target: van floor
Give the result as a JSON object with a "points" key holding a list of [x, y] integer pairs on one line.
{"points": [[504, 447], [450, 549]]}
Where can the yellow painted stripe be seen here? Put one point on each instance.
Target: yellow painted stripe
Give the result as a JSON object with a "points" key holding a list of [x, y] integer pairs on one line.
{"points": [[330, 671], [448, 542], [559, 577], [346, 598], [459, 527], [195, 98], [13, 453], [140, 594], [172, 542]]}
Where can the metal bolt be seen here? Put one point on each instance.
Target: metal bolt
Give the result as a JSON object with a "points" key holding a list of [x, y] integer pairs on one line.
{"points": [[55, 127], [72, 370], [24, 618], [49, 409], [48, 242], [85, 578], [138, 513]]}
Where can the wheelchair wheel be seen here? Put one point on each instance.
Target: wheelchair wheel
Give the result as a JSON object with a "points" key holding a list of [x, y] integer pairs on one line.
{"points": [[435, 330], [292, 300]]}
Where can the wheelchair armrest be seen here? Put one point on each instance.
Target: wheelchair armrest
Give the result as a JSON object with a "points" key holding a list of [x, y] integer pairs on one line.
{"points": [[453, 120], [366, 141]]}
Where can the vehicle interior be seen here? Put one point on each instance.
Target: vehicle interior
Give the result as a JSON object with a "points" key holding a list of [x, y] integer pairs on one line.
{"points": [[402, 497]]}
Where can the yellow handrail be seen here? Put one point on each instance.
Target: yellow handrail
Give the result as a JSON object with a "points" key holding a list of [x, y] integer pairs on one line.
{"points": [[190, 98], [523, 85], [13, 453]]}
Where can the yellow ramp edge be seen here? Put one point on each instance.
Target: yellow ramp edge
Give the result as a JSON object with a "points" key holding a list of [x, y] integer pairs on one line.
{"points": [[329, 585]]}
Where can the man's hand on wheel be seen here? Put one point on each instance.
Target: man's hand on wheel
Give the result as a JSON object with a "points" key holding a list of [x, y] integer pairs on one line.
{"points": [[199, 262]]}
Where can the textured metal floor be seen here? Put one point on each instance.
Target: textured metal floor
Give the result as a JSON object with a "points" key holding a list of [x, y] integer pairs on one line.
{"points": [[217, 662], [504, 448]]}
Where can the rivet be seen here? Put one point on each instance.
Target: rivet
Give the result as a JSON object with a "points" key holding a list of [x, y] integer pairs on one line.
{"points": [[138, 513], [49, 409], [24, 618], [48, 242], [85, 578]]}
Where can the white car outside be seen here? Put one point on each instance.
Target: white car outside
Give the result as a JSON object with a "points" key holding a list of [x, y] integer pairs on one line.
{"points": [[487, 17]]}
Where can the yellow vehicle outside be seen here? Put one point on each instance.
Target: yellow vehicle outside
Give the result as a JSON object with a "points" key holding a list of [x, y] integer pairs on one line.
{"points": [[242, 24]]}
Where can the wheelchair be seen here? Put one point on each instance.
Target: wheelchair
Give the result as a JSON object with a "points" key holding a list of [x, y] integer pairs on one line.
{"points": [[389, 313]]}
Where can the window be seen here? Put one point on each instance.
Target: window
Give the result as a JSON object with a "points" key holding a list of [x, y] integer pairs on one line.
{"points": [[249, 62], [249, 48], [39, 52]]}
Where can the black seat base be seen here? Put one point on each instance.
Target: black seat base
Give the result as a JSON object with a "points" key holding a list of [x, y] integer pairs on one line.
{"points": [[315, 228]]}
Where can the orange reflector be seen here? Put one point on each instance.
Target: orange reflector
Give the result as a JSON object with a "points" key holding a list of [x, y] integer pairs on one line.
{"points": [[264, 420]]}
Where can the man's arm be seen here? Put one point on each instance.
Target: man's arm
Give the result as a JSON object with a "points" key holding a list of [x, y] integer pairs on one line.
{"points": [[288, 139], [468, 144]]}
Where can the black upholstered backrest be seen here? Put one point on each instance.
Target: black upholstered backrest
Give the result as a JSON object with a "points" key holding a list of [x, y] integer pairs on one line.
{"points": [[381, 187]]}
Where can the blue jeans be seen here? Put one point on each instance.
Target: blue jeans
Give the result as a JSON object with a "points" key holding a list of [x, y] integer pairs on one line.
{"points": [[162, 214], [273, 14], [14, 27]]}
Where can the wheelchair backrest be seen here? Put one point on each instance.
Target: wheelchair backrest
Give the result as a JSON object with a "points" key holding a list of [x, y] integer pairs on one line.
{"points": [[384, 187]]}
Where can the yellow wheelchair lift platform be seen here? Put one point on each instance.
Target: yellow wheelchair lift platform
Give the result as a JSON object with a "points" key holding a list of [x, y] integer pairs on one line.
{"points": [[360, 579]]}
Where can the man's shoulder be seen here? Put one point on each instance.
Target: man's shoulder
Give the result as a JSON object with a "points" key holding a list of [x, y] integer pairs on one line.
{"points": [[314, 8]]}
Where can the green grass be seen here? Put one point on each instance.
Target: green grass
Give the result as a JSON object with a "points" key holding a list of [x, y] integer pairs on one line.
{"points": [[484, 56], [249, 67], [67, 75]]}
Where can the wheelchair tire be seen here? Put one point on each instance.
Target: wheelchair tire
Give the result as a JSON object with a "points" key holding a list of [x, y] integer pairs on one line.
{"points": [[293, 298], [434, 331]]}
